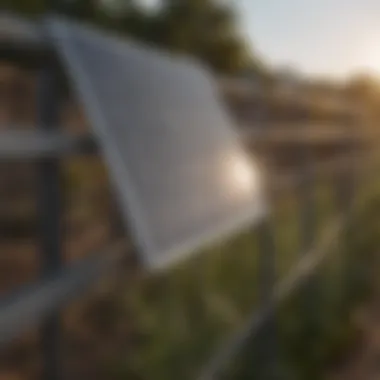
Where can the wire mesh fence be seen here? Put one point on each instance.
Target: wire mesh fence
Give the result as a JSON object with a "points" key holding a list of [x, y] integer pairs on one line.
{"points": [[254, 348]]}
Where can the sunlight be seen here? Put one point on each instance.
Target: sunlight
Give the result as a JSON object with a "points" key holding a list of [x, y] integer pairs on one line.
{"points": [[371, 56], [242, 175]]}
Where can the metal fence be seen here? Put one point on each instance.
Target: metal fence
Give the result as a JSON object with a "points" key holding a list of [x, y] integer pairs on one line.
{"points": [[41, 303]]}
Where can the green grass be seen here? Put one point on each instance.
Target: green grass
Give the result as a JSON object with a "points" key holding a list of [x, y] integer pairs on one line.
{"points": [[180, 318]]}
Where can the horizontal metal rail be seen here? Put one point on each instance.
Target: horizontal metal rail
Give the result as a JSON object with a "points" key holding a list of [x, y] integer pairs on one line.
{"points": [[31, 305], [281, 183], [16, 143], [37, 144], [240, 89], [288, 135], [18, 30], [22, 38]]}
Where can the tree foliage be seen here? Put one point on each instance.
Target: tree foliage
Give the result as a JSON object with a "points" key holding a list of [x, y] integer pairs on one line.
{"points": [[363, 87], [28, 7], [205, 29]]}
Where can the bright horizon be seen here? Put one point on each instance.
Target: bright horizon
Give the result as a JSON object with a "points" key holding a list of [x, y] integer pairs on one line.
{"points": [[326, 38], [332, 38]]}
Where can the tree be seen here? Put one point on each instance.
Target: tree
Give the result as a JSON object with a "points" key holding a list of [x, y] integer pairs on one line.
{"points": [[364, 92], [363, 88], [75, 8], [205, 29], [28, 7]]}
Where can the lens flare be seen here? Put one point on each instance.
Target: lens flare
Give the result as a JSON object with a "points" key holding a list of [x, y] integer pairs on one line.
{"points": [[242, 175]]}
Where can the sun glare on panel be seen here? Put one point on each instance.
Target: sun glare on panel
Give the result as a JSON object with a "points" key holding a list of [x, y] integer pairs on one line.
{"points": [[241, 175]]}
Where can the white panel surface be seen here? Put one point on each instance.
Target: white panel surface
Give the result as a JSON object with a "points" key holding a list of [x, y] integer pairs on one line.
{"points": [[182, 176]]}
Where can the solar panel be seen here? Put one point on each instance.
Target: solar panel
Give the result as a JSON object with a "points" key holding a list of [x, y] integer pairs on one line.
{"points": [[181, 174]]}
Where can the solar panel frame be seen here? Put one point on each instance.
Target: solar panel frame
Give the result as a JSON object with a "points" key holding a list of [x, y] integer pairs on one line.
{"points": [[131, 207]]}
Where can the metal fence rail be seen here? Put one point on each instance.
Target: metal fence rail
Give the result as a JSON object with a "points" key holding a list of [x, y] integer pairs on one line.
{"points": [[59, 284], [314, 253], [33, 304], [16, 145], [302, 271]]}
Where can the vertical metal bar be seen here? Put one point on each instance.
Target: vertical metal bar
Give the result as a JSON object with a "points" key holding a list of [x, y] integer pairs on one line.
{"points": [[346, 177], [345, 194], [49, 202], [115, 219], [259, 359], [267, 344], [308, 229], [267, 270], [307, 199]]}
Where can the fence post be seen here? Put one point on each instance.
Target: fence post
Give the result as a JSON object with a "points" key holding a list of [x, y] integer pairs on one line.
{"points": [[266, 347], [49, 205], [259, 359], [307, 194], [309, 293], [345, 194]]}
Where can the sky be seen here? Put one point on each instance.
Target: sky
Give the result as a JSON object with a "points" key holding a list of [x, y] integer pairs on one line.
{"points": [[327, 38], [332, 38]]}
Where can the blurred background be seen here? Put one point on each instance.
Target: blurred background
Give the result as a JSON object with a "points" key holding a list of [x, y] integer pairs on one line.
{"points": [[301, 80]]}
